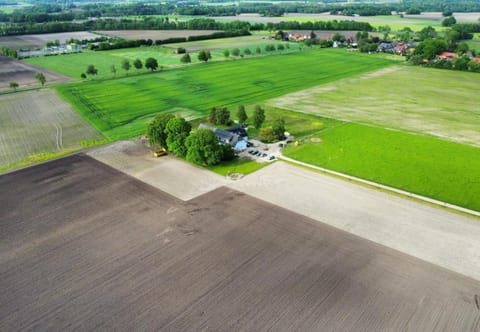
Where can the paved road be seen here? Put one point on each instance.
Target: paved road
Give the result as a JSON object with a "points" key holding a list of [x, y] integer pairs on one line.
{"points": [[429, 233]]}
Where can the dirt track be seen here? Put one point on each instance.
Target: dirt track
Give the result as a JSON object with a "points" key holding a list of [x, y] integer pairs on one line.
{"points": [[85, 247]]}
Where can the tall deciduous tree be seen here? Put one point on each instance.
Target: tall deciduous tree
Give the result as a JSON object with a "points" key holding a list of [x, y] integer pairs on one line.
{"points": [[14, 85], [151, 64], [278, 128], [126, 65], [226, 53], [212, 116], [156, 130], [203, 148], [41, 78], [223, 116], [258, 116], [177, 131], [241, 114], [186, 58], [204, 55], [113, 70], [138, 64], [91, 70]]}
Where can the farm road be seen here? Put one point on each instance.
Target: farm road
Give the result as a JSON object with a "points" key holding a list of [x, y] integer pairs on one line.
{"points": [[85, 247], [429, 233]]}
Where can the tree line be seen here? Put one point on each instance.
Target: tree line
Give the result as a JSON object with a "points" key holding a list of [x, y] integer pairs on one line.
{"points": [[54, 12]]}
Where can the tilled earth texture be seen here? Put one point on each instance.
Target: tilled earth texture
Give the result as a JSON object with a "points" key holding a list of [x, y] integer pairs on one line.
{"points": [[85, 247]]}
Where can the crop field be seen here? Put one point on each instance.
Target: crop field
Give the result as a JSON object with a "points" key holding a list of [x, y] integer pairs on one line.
{"points": [[436, 102], [39, 122], [242, 42], [86, 247], [195, 89], [424, 165], [73, 65], [39, 40]]}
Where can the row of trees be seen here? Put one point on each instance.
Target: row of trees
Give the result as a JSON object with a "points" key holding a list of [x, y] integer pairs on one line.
{"points": [[150, 63], [155, 23], [175, 134], [42, 13], [221, 116], [40, 77]]}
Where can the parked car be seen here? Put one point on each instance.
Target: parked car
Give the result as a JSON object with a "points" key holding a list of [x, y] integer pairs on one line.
{"points": [[271, 157]]}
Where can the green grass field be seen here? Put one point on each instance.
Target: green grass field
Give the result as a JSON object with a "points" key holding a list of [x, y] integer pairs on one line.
{"points": [[424, 165], [121, 108], [441, 103], [241, 166], [73, 65]]}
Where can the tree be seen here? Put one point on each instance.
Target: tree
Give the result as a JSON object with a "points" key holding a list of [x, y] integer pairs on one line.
{"points": [[156, 129], [462, 48], [241, 114], [212, 116], [449, 21], [203, 148], [83, 76], [223, 116], [177, 131], [204, 55], [226, 53], [91, 70], [267, 135], [126, 65], [181, 50], [247, 51], [186, 58], [258, 50], [313, 35], [138, 64], [14, 85], [258, 116], [278, 128], [151, 64], [427, 33], [113, 70], [41, 78], [280, 47], [236, 52]]}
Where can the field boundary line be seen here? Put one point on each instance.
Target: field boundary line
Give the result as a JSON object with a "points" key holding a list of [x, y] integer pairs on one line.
{"points": [[384, 187]]}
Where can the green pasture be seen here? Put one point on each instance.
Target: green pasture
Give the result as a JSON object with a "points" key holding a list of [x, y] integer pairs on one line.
{"points": [[121, 108], [423, 165], [442, 103], [73, 65], [474, 45]]}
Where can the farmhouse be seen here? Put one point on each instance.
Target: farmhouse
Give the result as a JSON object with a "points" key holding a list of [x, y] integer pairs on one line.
{"points": [[236, 137]]}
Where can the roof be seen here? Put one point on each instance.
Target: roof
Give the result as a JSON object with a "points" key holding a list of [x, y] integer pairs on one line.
{"points": [[240, 131]]}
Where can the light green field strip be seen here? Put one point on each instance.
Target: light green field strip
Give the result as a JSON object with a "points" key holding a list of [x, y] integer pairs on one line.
{"points": [[39, 122], [121, 108], [442, 103]]}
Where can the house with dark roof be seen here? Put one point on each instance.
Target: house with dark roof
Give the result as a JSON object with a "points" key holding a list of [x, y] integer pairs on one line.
{"points": [[236, 137]]}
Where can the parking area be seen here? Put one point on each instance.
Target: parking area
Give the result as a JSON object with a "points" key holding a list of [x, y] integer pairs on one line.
{"points": [[262, 152]]}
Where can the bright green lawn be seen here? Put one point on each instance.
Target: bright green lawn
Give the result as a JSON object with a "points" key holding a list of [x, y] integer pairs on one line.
{"points": [[121, 108], [424, 165]]}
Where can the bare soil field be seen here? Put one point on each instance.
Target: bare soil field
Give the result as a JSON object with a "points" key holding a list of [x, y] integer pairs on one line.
{"points": [[23, 73], [39, 121], [35, 41], [155, 34], [429, 233], [85, 247]]}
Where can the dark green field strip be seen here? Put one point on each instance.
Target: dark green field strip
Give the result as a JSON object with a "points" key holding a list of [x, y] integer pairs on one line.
{"points": [[121, 108], [424, 165]]}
